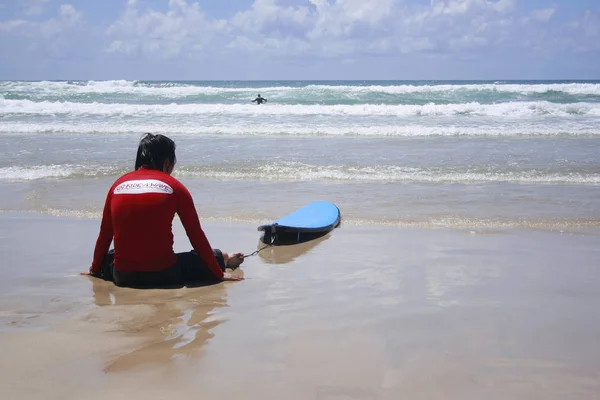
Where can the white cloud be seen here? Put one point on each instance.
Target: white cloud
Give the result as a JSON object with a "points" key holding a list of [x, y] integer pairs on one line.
{"points": [[451, 7], [268, 14], [311, 29], [324, 28], [343, 17], [69, 14], [68, 18], [586, 30], [163, 34], [53, 37], [543, 15], [355, 28], [461, 24], [7, 27], [467, 42], [118, 46], [33, 7], [271, 47]]}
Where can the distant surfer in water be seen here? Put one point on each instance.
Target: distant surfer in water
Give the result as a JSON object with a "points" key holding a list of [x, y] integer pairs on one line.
{"points": [[259, 100]]}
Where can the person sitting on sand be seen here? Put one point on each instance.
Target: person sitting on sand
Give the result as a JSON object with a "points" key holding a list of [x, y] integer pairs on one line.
{"points": [[259, 100], [138, 214]]}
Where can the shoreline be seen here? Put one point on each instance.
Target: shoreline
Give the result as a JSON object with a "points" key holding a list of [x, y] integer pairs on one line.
{"points": [[474, 225]]}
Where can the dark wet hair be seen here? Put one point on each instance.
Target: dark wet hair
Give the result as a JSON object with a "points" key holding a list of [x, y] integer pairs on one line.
{"points": [[154, 150]]}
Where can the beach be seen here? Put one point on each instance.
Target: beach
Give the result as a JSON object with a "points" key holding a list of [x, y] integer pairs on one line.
{"points": [[465, 266], [362, 313]]}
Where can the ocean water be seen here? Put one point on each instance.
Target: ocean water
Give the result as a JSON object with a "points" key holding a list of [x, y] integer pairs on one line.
{"points": [[470, 155]]}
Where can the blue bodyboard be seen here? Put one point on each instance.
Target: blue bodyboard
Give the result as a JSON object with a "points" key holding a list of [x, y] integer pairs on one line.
{"points": [[317, 217]]}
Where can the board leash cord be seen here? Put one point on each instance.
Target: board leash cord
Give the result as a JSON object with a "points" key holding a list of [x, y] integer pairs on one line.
{"points": [[261, 249], [273, 237]]}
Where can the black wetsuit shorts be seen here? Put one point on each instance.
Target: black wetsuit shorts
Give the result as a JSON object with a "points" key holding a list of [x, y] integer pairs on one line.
{"points": [[189, 270]]}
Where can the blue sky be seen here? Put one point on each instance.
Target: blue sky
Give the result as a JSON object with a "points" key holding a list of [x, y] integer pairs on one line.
{"points": [[299, 39]]}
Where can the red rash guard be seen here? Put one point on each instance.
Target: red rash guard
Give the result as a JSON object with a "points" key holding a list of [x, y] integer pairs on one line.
{"points": [[139, 212]]}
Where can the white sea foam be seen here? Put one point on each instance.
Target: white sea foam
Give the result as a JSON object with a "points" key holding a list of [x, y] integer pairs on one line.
{"points": [[568, 88], [167, 90], [293, 171], [509, 109], [34, 172], [571, 128], [176, 89], [28, 173]]}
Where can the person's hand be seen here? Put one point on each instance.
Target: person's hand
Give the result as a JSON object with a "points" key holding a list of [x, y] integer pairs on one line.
{"points": [[228, 277], [90, 273]]}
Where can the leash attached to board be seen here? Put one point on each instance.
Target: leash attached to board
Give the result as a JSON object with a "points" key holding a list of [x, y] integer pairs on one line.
{"points": [[273, 232]]}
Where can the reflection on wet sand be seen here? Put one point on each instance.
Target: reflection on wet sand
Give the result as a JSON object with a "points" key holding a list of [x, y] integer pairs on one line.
{"points": [[171, 323], [287, 250]]}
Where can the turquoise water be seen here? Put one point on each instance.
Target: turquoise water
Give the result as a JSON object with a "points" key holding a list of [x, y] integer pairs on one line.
{"points": [[426, 153], [306, 93]]}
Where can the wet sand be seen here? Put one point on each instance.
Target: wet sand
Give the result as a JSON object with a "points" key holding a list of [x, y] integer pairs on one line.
{"points": [[362, 313]]}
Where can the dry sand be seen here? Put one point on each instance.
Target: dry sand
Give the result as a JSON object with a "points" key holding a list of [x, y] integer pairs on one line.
{"points": [[363, 313]]}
